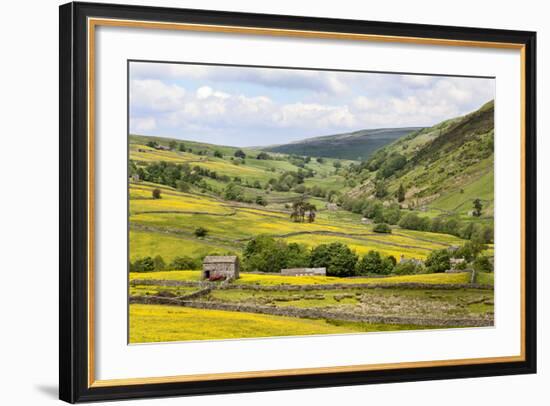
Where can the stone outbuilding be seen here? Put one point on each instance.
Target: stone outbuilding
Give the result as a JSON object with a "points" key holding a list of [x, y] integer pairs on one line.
{"points": [[220, 266], [304, 272]]}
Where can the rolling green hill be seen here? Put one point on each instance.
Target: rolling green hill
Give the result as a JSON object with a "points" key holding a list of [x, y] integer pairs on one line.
{"points": [[442, 168], [355, 145]]}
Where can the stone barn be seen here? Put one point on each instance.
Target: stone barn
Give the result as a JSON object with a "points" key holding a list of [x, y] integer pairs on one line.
{"points": [[304, 272], [216, 266]]}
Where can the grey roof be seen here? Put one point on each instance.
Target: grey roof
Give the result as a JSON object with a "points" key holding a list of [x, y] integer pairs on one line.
{"points": [[211, 259]]}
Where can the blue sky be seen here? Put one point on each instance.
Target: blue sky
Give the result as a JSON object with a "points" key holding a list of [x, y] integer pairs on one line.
{"points": [[246, 106]]}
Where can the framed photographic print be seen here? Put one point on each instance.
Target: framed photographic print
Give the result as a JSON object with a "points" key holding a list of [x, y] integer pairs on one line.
{"points": [[258, 202]]}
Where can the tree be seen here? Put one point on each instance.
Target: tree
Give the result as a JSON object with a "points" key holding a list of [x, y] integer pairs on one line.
{"points": [[320, 160], [483, 264], [151, 144], [407, 268], [336, 257], [477, 208], [311, 212], [469, 251], [218, 154], [233, 192], [380, 189], [438, 261], [266, 254], [297, 255], [382, 228], [411, 221], [183, 186], [239, 154], [159, 263], [263, 156], [391, 165], [173, 144], [183, 263], [261, 200], [156, 193], [200, 232], [400, 193], [181, 147], [299, 210], [145, 264], [374, 263], [337, 164]]}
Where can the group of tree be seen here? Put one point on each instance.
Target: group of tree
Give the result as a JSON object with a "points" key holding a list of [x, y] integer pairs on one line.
{"points": [[289, 180], [302, 209], [373, 209], [157, 263], [468, 230], [267, 254]]}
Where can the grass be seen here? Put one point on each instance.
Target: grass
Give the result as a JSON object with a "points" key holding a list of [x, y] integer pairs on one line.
{"points": [[362, 246], [277, 279], [185, 276], [150, 244], [485, 278], [141, 290], [229, 225], [388, 302], [482, 188], [159, 323]]}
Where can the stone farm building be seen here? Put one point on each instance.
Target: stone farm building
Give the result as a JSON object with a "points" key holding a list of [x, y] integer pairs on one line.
{"points": [[304, 271], [215, 266]]}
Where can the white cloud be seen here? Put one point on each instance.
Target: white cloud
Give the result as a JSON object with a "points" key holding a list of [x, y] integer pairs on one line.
{"points": [[315, 116], [290, 104], [142, 124], [155, 95]]}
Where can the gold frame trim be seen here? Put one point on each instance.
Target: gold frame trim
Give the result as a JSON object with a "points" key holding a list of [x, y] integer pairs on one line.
{"points": [[94, 22]]}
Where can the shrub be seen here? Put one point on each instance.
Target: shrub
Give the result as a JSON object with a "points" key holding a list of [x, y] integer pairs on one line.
{"points": [[263, 156], [159, 263], [382, 228], [156, 193], [469, 251], [261, 200], [184, 263], [218, 154], [483, 264], [407, 268], [145, 264], [391, 165], [183, 186], [233, 192], [200, 232], [336, 257], [413, 222], [240, 154]]}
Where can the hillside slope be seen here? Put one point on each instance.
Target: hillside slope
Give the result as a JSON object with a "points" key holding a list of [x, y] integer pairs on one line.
{"points": [[443, 168], [356, 145]]}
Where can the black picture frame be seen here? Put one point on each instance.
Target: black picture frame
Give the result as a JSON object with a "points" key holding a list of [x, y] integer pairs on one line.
{"points": [[74, 199]]}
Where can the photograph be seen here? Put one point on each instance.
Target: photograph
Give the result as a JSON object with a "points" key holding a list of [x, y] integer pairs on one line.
{"points": [[272, 201]]}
